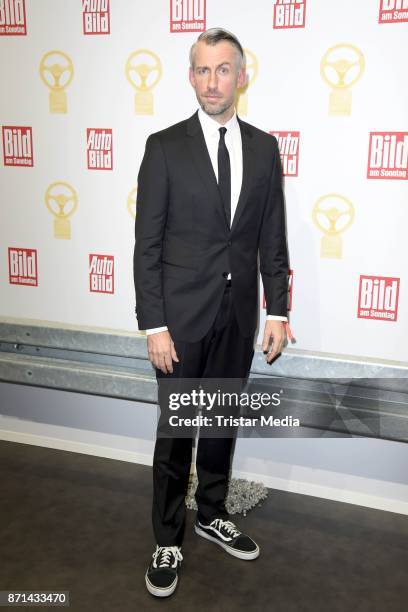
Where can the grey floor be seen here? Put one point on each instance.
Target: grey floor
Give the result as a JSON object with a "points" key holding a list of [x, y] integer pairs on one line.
{"points": [[79, 523]]}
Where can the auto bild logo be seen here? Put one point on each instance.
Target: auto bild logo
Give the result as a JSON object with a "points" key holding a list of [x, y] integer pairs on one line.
{"points": [[388, 155], [95, 17], [17, 146], [393, 11], [289, 150], [187, 15], [12, 18], [101, 273], [289, 14], [22, 266], [99, 149], [378, 298]]}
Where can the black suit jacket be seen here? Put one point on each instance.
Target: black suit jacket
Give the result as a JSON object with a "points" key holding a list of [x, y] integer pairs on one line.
{"points": [[184, 247]]}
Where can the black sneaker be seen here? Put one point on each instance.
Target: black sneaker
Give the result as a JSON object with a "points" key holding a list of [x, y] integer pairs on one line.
{"points": [[161, 576], [226, 535]]}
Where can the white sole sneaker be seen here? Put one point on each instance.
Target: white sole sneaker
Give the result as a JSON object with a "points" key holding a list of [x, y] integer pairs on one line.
{"points": [[159, 591], [240, 554]]}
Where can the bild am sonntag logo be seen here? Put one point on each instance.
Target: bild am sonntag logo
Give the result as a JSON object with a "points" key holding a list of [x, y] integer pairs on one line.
{"points": [[393, 11], [17, 146], [378, 298], [187, 15], [13, 18], [388, 155], [23, 269]]}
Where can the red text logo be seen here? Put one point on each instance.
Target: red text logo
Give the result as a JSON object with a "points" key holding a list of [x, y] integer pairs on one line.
{"points": [[22, 266], [99, 149], [289, 14], [289, 150], [12, 18], [388, 155], [17, 146], [101, 273], [393, 11], [96, 16], [187, 15], [378, 298]]}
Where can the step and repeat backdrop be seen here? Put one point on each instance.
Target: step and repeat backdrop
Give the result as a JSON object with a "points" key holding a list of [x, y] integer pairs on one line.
{"points": [[84, 82]]}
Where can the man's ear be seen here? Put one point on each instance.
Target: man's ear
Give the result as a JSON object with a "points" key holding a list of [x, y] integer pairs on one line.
{"points": [[191, 76], [242, 78]]}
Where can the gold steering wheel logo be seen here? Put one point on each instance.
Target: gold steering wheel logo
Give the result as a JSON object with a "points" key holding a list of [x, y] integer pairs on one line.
{"points": [[332, 214], [56, 72], [143, 75], [61, 199], [131, 203], [252, 70], [341, 67]]}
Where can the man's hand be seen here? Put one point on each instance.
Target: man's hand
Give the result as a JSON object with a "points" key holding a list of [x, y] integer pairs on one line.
{"points": [[275, 332], [161, 350]]}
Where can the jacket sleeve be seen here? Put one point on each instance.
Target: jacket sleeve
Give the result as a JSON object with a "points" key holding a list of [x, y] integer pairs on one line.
{"points": [[151, 215], [273, 254]]}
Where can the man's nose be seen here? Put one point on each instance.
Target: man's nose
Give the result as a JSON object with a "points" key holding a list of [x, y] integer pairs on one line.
{"points": [[212, 80]]}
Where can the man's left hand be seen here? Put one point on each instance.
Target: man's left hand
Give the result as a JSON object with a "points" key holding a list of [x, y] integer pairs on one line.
{"points": [[274, 333]]}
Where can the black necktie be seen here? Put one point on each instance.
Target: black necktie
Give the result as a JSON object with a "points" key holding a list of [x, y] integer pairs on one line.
{"points": [[224, 174]]}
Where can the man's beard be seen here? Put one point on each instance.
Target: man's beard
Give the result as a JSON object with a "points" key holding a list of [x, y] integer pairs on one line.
{"points": [[214, 110]]}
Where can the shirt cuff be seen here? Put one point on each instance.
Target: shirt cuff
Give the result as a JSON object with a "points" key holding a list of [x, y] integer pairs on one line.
{"points": [[154, 330], [276, 318]]}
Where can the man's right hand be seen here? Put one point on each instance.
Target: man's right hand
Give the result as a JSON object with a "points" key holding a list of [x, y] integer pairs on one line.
{"points": [[161, 350]]}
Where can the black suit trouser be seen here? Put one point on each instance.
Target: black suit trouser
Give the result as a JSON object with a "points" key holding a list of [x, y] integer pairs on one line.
{"points": [[222, 353]]}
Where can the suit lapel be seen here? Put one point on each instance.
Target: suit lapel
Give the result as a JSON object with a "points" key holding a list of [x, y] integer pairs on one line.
{"points": [[201, 159], [247, 171], [202, 162]]}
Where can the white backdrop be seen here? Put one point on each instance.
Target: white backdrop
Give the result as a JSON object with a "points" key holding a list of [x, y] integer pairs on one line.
{"points": [[288, 94]]}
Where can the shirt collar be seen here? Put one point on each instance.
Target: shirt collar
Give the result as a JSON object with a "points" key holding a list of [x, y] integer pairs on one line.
{"points": [[210, 126]]}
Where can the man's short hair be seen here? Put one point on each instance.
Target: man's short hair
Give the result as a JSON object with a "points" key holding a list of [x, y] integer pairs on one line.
{"points": [[213, 36]]}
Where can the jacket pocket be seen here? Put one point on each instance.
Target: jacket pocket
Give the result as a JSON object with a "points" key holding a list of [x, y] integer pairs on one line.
{"points": [[175, 271]]}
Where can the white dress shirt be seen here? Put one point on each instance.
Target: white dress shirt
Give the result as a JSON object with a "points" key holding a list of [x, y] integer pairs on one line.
{"points": [[233, 143]]}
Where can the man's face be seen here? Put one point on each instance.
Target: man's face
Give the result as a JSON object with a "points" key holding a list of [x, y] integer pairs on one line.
{"points": [[216, 77]]}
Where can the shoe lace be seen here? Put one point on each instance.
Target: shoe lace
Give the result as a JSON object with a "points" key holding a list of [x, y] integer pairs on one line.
{"points": [[163, 554], [229, 526]]}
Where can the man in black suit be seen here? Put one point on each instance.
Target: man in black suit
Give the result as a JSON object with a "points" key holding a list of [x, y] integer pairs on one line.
{"points": [[209, 200]]}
